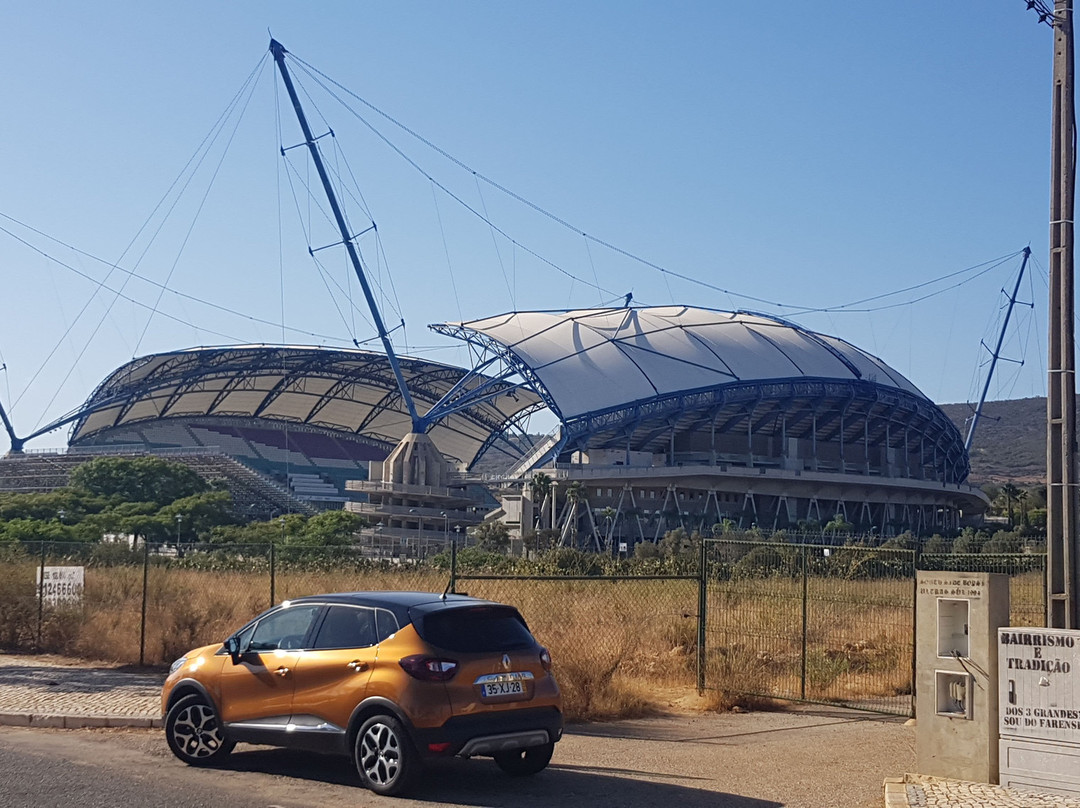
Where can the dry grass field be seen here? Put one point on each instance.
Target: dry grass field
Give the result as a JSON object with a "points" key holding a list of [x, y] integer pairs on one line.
{"points": [[620, 647]]}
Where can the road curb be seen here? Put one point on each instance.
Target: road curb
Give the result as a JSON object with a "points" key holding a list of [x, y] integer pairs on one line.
{"points": [[896, 792], [52, 721]]}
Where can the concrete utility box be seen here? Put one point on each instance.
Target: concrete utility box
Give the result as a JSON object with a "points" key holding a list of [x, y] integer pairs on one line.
{"points": [[1039, 697], [958, 615]]}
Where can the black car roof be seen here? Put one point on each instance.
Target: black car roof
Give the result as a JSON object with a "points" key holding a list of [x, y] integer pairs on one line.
{"points": [[397, 602]]}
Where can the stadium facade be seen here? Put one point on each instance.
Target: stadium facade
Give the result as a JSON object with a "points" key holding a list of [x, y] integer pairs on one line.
{"points": [[666, 416], [682, 416], [310, 418]]}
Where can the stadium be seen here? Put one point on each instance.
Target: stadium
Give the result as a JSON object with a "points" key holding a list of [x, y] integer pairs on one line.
{"points": [[666, 417]]}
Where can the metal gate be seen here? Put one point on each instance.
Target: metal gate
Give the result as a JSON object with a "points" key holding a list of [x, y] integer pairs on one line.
{"points": [[810, 622]]}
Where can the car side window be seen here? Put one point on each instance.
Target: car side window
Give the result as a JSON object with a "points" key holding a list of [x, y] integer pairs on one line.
{"points": [[285, 629], [385, 623], [347, 627], [244, 636]]}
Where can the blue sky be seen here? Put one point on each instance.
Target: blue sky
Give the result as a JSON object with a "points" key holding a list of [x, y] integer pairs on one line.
{"points": [[797, 155]]}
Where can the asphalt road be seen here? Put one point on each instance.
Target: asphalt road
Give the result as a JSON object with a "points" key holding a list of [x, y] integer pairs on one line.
{"points": [[808, 758]]}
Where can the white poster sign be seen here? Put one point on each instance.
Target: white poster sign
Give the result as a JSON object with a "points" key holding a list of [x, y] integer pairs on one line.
{"points": [[61, 585], [1038, 678]]}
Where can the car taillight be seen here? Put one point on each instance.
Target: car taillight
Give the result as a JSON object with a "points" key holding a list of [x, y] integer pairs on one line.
{"points": [[545, 659], [429, 669]]}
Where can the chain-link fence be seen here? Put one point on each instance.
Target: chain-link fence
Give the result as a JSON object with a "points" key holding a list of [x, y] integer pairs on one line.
{"points": [[779, 620], [611, 637], [810, 622], [833, 624], [151, 604]]}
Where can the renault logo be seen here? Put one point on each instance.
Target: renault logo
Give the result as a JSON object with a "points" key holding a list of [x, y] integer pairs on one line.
{"points": [[506, 662]]}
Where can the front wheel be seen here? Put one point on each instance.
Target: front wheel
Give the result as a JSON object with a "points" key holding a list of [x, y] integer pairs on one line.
{"points": [[385, 758], [193, 731], [522, 762]]}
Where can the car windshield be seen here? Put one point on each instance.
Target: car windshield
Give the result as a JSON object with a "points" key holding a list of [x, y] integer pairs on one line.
{"points": [[477, 629]]}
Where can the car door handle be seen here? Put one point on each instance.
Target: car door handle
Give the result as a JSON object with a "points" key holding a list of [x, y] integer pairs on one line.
{"points": [[282, 671], [358, 666]]}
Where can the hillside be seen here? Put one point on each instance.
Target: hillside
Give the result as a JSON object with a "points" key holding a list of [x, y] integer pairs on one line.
{"points": [[1010, 442]]}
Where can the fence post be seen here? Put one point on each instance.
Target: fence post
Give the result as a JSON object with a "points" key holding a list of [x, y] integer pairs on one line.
{"points": [[142, 621], [805, 576], [453, 566], [916, 555], [41, 595], [703, 576], [273, 574]]}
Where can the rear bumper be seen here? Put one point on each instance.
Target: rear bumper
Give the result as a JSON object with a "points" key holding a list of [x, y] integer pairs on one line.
{"points": [[492, 732]]}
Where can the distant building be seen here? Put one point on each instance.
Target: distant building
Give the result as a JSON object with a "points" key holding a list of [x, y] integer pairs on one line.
{"points": [[681, 416], [667, 416]]}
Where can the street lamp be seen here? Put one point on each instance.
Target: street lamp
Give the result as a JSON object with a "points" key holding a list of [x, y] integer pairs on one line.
{"points": [[282, 530], [446, 527], [179, 519], [419, 529]]}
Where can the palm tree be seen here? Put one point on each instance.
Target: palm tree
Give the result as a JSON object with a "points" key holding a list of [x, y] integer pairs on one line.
{"points": [[609, 515], [1010, 492], [575, 496], [1022, 499], [541, 489]]}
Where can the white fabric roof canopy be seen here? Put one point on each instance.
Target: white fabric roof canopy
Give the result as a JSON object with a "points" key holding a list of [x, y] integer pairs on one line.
{"points": [[351, 391], [593, 360]]}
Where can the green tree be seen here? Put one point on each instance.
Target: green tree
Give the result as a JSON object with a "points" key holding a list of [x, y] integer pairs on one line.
{"points": [[198, 514], [903, 541], [33, 530], [936, 545], [329, 528], [540, 540], [492, 537], [644, 550], [1004, 541], [838, 524], [139, 479], [678, 543], [969, 541]]}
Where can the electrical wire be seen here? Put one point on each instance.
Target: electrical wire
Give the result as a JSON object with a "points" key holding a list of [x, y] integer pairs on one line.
{"points": [[790, 309], [150, 281], [195, 217]]}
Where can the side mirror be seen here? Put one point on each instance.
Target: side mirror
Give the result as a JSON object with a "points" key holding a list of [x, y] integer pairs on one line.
{"points": [[232, 645]]}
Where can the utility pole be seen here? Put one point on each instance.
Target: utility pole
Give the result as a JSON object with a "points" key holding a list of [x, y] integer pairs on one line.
{"points": [[1063, 563]]}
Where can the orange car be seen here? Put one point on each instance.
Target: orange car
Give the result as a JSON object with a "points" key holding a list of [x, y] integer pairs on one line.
{"points": [[390, 678]]}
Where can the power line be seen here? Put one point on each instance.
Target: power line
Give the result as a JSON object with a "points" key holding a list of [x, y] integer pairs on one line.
{"points": [[794, 310]]}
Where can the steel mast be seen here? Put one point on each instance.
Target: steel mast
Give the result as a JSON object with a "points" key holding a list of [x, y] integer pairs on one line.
{"points": [[997, 352], [279, 52]]}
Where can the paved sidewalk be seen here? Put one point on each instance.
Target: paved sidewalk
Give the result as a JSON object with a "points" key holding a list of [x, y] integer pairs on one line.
{"points": [[61, 693], [917, 791], [46, 692]]}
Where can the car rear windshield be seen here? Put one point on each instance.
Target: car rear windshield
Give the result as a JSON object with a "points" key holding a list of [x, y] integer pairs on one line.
{"points": [[476, 629]]}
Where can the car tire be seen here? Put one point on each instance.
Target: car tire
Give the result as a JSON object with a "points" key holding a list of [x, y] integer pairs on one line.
{"points": [[194, 732], [523, 762], [384, 755]]}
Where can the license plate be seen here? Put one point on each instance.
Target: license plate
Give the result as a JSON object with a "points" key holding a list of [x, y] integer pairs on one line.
{"points": [[502, 689]]}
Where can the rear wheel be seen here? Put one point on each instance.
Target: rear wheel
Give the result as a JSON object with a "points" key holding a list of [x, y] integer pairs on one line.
{"points": [[193, 731], [384, 755], [522, 762]]}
